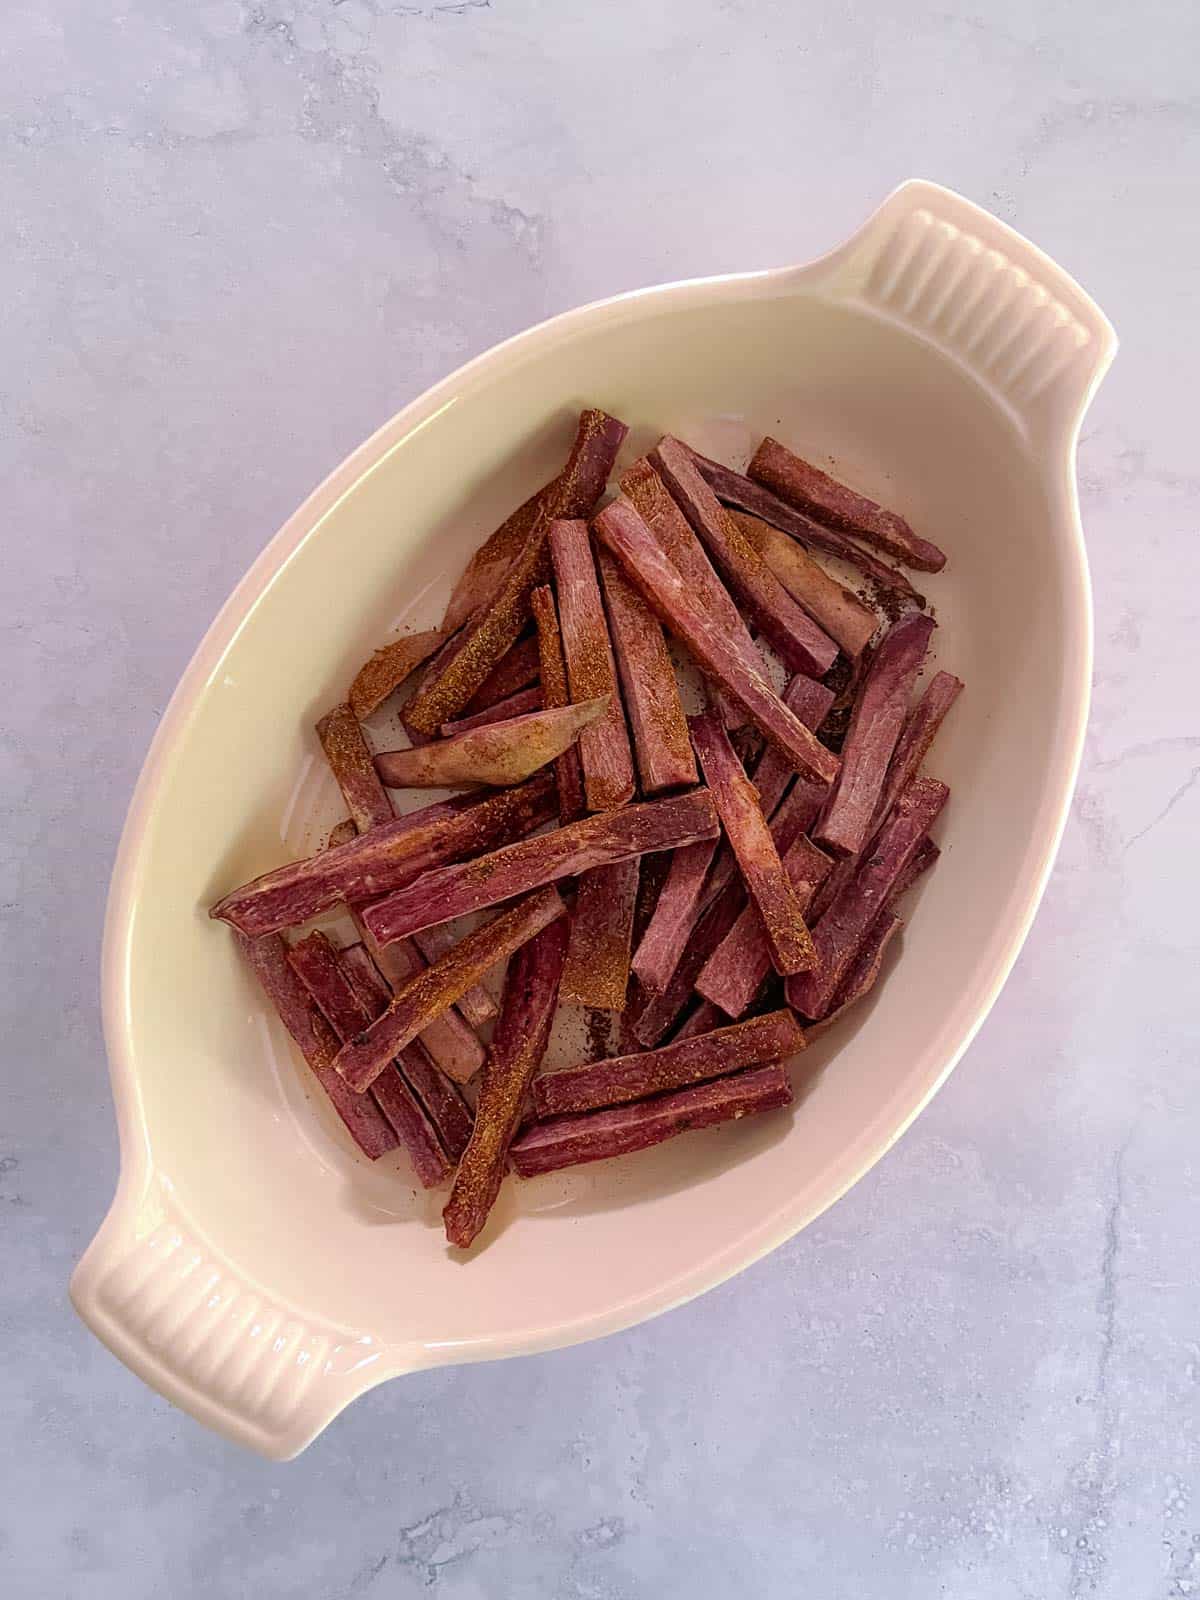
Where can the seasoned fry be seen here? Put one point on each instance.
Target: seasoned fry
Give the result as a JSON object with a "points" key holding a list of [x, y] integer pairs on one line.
{"points": [[801, 645], [843, 615], [499, 753], [386, 857], [597, 969], [619, 1130], [652, 703], [591, 669], [695, 1059], [628, 537], [568, 770], [875, 724], [527, 1010], [389, 668], [820, 496], [598, 841], [435, 990], [750, 839], [350, 761]]}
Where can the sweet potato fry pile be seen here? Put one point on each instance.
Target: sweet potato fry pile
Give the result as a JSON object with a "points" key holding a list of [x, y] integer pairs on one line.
{"points": [[724, 883]]}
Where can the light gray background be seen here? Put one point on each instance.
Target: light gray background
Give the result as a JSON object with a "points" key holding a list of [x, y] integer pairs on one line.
{"points": [[236, 237]]}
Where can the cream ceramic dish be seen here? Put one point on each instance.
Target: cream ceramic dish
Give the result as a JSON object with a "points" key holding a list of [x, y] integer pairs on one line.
{"points": [[253, 1268]]}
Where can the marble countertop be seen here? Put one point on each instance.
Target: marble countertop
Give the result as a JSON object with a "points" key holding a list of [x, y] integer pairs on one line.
{"points": [[237, 236]]}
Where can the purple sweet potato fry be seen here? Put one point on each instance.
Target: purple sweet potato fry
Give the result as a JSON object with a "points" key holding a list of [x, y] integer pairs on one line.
{"points": [[741, 963], [801, 645], [447, 1110], [527, 1010], [675, 915], [818, 495], [351, 764], [918, 733], [476, 1004], [695, 1059], [841, 930], [364, 1121], [862, 973], [568, 770], [844, 617], [573, 493], [619, 1130], [386, 857], [652, 703], [498, 623], [435, 990], [597, 969], [628, 537], [453, 1046], [513, 672], [876, 721], [499, 754], [655, 1015], [596, 841], [517, 705], [604, 748], [389, 667], [743, 494], [750, 839], [646, 492]]}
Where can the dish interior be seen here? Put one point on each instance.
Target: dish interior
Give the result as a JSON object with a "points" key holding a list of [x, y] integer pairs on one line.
{"points": [[235, 1126]]}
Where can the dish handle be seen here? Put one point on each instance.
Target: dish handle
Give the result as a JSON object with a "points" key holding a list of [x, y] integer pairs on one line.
{"points": [[169, 1305], [958, 277]]}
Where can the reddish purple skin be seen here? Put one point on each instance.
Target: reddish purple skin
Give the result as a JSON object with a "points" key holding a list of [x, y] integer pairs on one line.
{"points": [[527, 1010], [618, 1131], [597, 971], [752, 843], [435, 990], [445, 1106], [515, 671], [517, 705], [477, 1005], [675, 915], [317, 964], [927, 856], [645, 490], [822, 496], [875, 726], [810, 701], [598, 841], [628, 537], [737, 490], [802, 646], [658, 1014], [741, 963], [919, 731], [604, 747], [695, 1059], [366, 1124], [840, 932], [649, 685], [352, 765], [568, 770], [386, 857], [572, 493]]}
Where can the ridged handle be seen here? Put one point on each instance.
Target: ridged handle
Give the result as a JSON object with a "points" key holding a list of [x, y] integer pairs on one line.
{"points": [[169, 1306], [961, 279]]}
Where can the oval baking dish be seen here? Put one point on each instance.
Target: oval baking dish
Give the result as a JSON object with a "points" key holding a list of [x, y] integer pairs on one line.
{"points": [[253, 1267]]}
